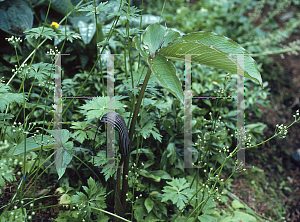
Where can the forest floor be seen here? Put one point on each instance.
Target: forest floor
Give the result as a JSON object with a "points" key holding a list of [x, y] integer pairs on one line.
{"points": [[273, 157]]}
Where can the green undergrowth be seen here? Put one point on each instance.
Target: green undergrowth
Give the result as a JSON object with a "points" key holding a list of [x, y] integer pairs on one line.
{"points": [[148, 87]]}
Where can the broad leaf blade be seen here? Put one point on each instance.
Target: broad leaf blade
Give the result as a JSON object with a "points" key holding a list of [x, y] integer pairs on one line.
{"points": [[202, 54], [170, 36], [87, 31], [165, 73], [153, 37], [215, 50], [32, 144]]}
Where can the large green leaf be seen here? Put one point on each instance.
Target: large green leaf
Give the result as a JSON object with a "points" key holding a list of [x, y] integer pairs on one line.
{"points": [[61, 6], [170, 36], [15, 17], [32, 144], [213, 50], [206, 48], [165, 73], [153, 37], [87, 31], [157, 36]]}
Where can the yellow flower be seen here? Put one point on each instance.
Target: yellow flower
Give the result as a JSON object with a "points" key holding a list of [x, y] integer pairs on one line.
{"points": [[55, 24]]}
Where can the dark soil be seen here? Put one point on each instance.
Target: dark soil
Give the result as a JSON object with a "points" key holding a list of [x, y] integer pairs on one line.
{"points": [[44, 215]]}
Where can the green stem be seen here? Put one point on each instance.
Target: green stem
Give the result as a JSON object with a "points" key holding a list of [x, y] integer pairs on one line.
{"points": [[131, 132]]}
